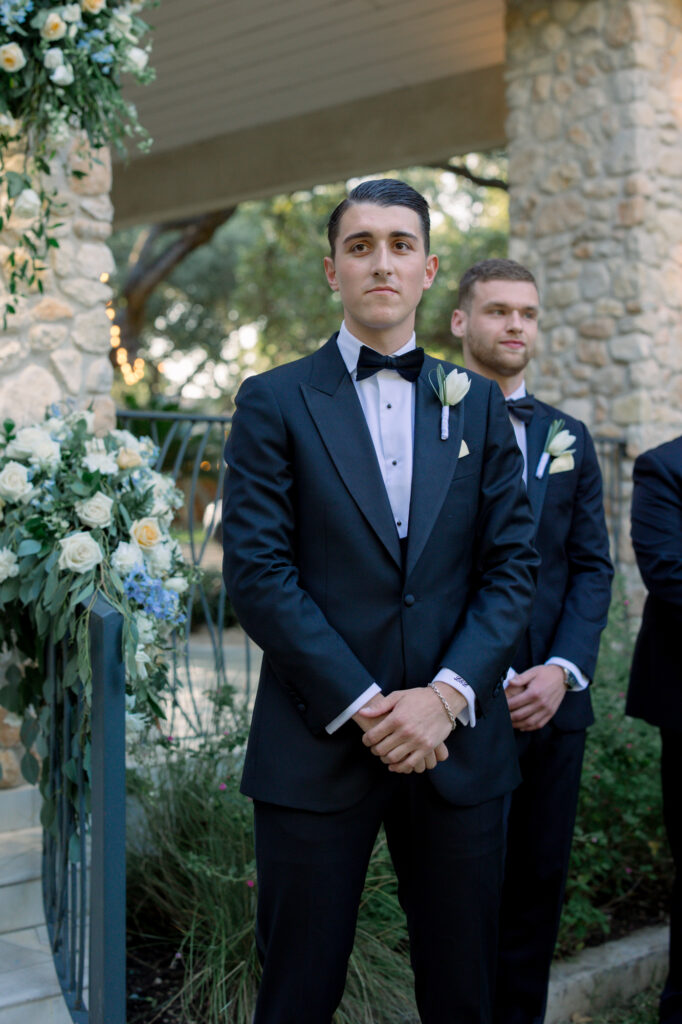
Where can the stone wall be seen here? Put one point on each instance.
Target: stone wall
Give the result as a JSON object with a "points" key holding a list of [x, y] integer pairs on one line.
{"points": [[57, 345], [594, 91]]}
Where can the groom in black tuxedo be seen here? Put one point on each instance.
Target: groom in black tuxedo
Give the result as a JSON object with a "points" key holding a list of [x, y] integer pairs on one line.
{"points": [[655, 692], [547, 685], [380, 554]]}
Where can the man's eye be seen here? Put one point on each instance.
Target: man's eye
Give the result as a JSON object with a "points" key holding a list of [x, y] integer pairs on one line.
{"points": [[402, 246], [359, 247]]}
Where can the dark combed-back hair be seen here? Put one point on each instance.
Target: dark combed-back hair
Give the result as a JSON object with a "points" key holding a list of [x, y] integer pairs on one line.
{"points": [[382, 192], [490, 270]]}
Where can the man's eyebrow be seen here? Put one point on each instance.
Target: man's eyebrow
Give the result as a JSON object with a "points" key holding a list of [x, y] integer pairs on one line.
{"points": [[499, 303], [370, 234]]}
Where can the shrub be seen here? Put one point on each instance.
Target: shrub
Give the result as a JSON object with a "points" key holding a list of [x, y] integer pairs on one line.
{"points": [[620, 865]]}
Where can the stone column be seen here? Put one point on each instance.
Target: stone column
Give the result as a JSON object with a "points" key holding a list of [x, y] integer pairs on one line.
{"points": [[595, 166], [57, 345]]}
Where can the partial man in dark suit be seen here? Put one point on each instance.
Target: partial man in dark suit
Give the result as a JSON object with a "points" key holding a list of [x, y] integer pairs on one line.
{"points": [[378, 549], [655, 691], [547, 684]]}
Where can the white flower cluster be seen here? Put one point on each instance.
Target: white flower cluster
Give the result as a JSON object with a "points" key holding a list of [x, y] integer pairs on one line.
{"points": [[101, 507], [110, 41]]}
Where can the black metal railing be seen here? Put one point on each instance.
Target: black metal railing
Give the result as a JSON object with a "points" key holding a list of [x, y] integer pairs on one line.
{"points": [[210, 663], [84, 846], [611, 454]]}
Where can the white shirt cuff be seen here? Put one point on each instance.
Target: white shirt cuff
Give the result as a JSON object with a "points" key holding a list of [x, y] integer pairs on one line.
{"points": [[467, 715], [360, 702], [583, 681]]}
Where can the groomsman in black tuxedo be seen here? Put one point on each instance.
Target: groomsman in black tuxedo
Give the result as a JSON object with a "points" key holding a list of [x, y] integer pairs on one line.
{"points": [[655, 692], [378, 549], [547, 684]]}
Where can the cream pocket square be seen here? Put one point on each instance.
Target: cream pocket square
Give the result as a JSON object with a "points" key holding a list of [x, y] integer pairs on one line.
{"points": [[463, 450], [562, 463]]}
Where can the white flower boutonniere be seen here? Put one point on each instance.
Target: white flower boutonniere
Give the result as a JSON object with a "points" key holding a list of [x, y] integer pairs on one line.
{"points": [[557, 448], [450, 389]]}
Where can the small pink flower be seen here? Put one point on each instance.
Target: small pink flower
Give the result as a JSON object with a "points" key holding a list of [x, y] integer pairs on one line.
{"points": [[250, 884], [628, 871], [170, 739], [621, 694], [628, 746], [626, 602], [609, 715], [222, 786], [594, 839], [596, 775]]}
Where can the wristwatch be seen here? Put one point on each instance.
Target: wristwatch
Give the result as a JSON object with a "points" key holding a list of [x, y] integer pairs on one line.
{"points": [[570, 681]]}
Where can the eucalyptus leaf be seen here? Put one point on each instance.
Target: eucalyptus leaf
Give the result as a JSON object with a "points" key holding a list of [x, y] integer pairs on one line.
{"points": [[30, 769]]}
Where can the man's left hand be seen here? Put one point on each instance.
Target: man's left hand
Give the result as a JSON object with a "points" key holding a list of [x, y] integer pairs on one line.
{"points": [[534, 696]]}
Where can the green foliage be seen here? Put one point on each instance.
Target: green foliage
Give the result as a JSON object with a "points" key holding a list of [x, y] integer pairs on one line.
{"points": [[620, 863]]}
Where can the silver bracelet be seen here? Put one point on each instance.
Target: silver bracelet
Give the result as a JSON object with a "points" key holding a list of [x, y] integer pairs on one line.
{"points": [[446, 707]]}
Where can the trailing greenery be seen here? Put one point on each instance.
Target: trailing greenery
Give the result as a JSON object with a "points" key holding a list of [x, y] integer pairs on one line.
{"points": [[82, 515]]}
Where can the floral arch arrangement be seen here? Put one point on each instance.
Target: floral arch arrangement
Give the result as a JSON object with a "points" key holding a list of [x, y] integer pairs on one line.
{"points": [[60, 73]]}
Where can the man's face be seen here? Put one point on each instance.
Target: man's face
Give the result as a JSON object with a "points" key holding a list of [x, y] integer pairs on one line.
{"points": [[380, 269], [498, 332]]}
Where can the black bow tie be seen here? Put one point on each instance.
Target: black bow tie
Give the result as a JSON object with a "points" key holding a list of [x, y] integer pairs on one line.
{"points": [[522, 408], [407, 365]]}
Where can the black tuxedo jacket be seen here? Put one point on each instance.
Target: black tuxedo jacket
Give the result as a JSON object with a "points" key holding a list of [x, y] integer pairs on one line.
{"points": [[655, 692], [574, 581], [313, 568]]}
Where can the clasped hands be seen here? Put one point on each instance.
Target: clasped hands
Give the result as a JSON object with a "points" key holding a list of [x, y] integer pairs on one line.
{"points": [[406, 729], [534, 696]]}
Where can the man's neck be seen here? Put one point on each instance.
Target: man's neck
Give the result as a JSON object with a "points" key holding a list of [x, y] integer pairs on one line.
{"points": [[508, 385], [386, 342]]}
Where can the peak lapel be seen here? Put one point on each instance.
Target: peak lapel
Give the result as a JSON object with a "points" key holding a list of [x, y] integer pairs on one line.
{"points": [[536, 435], [434, 462], [336, 411]]}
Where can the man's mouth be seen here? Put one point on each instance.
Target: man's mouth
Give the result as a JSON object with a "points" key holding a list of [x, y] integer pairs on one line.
{"points": [[383, 288]]}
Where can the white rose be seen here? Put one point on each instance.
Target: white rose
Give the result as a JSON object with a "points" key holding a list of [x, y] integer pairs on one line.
{"points": [[54, 27], [562, 463], [146, 532], [54, 58], [71, 12], [456, 387], [11, 57], [93, 6], [14, 482], [560, 443], [121, 25], [80, 553], [177, 583], [35, 445], [95, 511], [9, 564], [136, 58], [63, 75], [27, 204], [158, 559], [124, 439], [89, 417], [126, 557]]}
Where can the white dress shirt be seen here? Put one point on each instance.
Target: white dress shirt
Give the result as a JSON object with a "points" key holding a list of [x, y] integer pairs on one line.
{"points": [[387, 401], [521, 440]]}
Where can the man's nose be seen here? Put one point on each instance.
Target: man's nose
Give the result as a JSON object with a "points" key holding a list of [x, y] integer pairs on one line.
{"points": [[514, 321], [383, 260]]}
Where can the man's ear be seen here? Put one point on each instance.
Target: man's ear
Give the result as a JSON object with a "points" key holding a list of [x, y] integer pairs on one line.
{"points": [[330, 272], [430, 271], [458, 323]]}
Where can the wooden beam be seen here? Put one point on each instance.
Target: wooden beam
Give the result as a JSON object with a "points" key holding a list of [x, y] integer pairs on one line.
{"points": [[419, 124]]}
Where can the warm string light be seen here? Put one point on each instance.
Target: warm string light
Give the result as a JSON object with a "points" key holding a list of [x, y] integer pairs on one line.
{"points": [[131, 374]]}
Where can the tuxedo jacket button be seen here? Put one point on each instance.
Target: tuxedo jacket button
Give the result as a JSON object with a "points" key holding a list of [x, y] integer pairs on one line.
{"points": [[300, 705], [409, 600]]}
